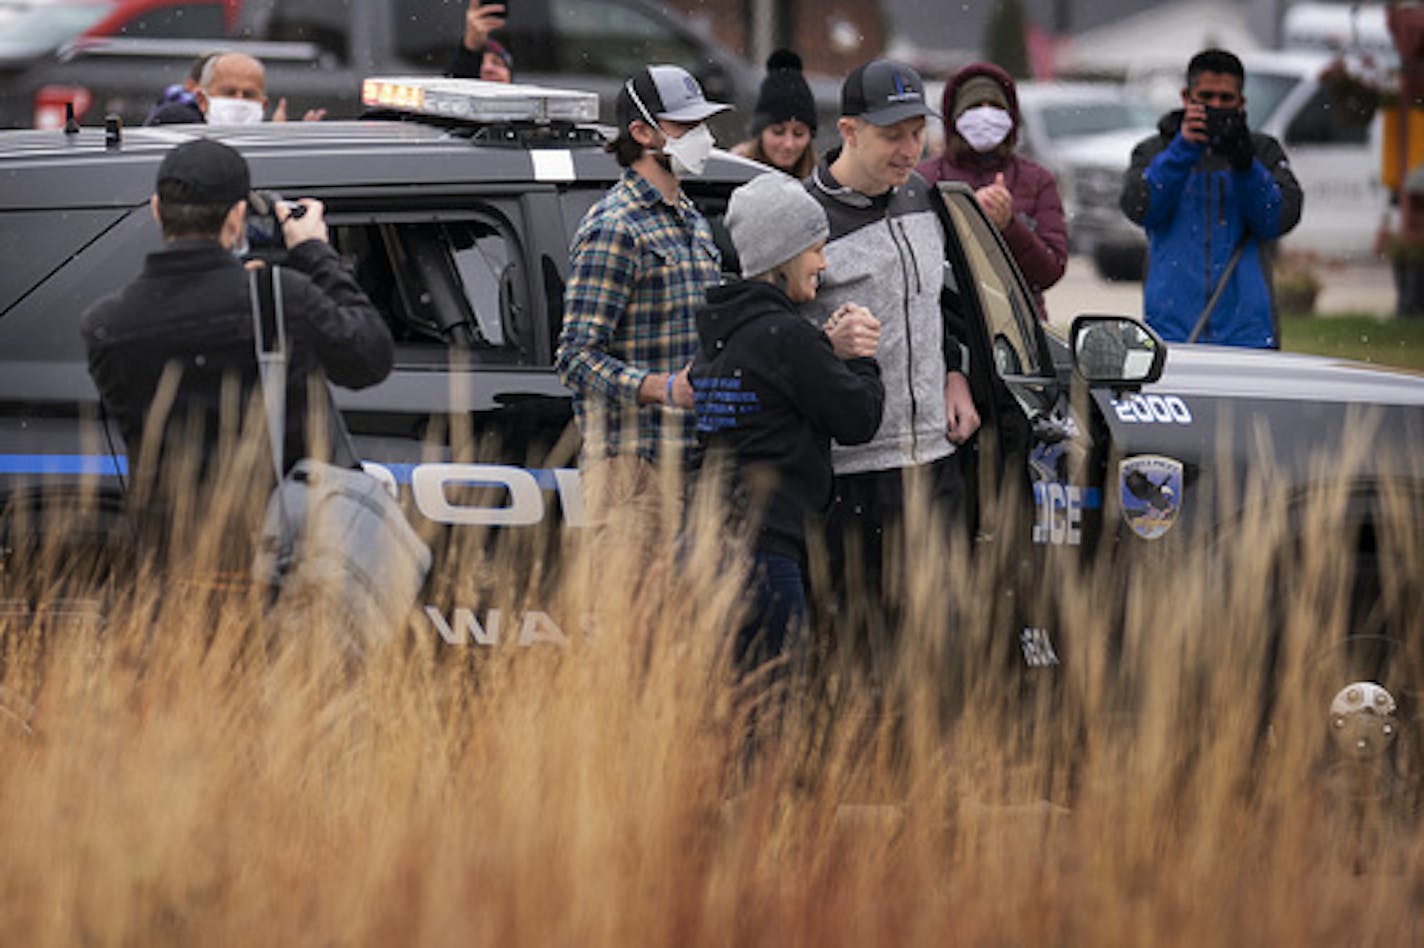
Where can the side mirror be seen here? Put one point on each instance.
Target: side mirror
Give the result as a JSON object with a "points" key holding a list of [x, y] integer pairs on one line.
{"points": [[1116, 351]]}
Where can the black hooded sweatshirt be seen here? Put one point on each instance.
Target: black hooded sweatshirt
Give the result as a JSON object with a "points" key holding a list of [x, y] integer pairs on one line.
{"points": [[771, 394]]}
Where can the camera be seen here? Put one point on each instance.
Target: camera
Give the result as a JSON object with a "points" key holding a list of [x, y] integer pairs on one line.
{"points": [[1223, 125], [264, 231]]}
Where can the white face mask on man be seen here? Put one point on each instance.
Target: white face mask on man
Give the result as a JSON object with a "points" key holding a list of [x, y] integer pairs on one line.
{"points": [[690, 152], [223, 110], [984, 127]]}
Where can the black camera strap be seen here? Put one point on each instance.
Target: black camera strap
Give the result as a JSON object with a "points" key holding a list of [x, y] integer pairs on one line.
{"points": [[269, 331], [1215, 297]]}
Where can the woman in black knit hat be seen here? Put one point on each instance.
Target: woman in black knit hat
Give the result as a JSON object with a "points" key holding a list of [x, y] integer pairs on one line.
{"points": [[784, 123]]}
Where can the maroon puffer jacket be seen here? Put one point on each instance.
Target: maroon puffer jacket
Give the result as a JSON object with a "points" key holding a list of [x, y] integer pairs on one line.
{"points": [[1038, 235]]}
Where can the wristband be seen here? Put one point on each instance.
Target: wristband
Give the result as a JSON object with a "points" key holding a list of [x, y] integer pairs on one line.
{"points": [[671, 377]]}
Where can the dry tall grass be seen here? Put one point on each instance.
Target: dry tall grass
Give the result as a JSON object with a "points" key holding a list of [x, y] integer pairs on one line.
{"points": [[176, 769]]}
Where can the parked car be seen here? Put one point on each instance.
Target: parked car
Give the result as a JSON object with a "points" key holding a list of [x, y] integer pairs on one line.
{"points": [[33, 32], [1106, 442], [1083, 132], [32, 28], [317, 53]]}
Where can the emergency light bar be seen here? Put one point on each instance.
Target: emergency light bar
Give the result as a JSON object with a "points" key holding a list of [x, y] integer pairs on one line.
{"points": [[476, 100]]}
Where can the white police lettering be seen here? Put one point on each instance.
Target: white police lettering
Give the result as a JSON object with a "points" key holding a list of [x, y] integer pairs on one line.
{"points": [[539, 627], [1037, 647], [464, 628], [1059, 514], [525, 504], [570, 489], [1153, 409], [522, 505]]}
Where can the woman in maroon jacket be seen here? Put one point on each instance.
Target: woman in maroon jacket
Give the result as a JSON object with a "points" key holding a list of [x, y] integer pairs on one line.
{"points": [[981, 115]]}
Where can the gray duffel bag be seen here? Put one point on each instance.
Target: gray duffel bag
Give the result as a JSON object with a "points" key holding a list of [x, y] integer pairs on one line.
{"points": [[333, 537]]}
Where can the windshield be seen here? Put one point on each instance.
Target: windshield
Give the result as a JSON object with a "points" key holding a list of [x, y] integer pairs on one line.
{"points": [[1264, 92], [1094, 118], [33, 29]]}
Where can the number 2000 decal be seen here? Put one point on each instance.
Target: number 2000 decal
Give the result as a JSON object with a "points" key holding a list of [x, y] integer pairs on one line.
{"points": [[1152, 409]]}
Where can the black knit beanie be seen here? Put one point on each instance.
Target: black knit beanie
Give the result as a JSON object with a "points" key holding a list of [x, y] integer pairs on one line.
{"points": [[784, 93]]}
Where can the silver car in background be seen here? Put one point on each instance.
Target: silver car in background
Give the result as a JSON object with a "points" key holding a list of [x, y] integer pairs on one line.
{"points": [[1084, 132]]}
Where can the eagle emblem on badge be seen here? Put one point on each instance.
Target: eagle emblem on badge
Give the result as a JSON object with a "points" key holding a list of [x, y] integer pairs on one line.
{"points": [[1150, 489]]}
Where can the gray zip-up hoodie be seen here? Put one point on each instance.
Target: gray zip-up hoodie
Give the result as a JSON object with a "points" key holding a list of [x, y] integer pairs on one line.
{"points": [[887, 254]]}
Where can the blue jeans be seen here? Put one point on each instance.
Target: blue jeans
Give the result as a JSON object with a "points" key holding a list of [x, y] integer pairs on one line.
{"points": [[776, 626], [774, 631]]}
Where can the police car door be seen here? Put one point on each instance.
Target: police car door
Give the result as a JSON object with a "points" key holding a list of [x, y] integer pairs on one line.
{"points": [[1026, 473]]}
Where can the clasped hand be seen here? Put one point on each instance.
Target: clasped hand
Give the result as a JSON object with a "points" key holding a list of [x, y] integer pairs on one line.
{"points": [[854, 332]]}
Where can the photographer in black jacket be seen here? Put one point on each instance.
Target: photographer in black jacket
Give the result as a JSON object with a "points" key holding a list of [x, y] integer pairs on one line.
{"points": [[172, 353]]}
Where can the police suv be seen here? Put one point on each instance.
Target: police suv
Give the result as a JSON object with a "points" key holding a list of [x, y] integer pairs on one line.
{"points": [[456, 210]]}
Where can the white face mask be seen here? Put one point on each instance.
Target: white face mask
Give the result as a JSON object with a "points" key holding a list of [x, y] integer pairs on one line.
{"points": [[984, 127], [223, 110], [689, 153]]}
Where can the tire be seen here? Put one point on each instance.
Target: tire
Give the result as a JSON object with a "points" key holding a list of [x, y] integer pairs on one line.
{"points": [[1387, 763], [1360, 699]]}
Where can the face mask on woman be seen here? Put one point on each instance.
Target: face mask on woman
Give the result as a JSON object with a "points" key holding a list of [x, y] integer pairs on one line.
{"points": [[984, 127], [223, 110]]}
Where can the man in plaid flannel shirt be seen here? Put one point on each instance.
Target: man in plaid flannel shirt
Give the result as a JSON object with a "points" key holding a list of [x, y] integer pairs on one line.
{"points": [[639, 266]]}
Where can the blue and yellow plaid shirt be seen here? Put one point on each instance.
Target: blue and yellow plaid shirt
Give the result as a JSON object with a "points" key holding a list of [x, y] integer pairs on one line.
{"points": [[639, 268]]}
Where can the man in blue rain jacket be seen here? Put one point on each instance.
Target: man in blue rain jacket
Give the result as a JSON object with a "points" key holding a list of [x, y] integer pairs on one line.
{"points": [[1203, 188]]}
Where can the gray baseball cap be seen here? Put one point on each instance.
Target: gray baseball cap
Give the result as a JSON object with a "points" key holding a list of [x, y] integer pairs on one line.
{"points": [[664, 92], [884, 92]]}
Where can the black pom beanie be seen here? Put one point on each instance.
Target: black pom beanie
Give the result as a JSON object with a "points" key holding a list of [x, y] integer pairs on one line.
{"points": [[784, 93]]}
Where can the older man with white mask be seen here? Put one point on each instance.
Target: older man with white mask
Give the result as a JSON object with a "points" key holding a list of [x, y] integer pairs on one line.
{"points": [[232, 91]]}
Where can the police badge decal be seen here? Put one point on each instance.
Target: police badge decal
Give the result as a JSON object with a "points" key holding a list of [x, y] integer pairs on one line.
{"points": [[1150, 488]]}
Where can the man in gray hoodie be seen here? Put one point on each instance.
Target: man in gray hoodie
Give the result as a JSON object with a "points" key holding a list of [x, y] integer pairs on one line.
{"points": [[886, 252]]}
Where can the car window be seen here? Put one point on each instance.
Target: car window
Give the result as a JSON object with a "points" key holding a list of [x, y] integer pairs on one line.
{"points": [[185, 21], [453, 283], [33, 244], [1009, 318], [1264, 93], [1071, 120], [1325, 122], [35, 30], [92, 253], [575, 203], [610, 39]]}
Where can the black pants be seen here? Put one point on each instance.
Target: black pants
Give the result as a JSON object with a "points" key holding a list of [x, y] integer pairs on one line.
{"points": [[864, 540]]}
